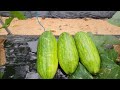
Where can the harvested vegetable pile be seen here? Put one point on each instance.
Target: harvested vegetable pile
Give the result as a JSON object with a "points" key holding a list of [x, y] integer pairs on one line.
{"points": [[109, 66]]}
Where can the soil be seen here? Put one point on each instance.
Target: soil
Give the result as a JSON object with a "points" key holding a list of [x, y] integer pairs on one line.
{"points": [[31, 26]]}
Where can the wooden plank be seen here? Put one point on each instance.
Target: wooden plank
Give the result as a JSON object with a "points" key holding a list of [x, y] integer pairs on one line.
{"points": [[30, 26]]}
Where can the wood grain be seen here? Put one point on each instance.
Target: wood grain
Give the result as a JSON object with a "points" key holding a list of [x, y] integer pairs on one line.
{"points": [[30, 26]]}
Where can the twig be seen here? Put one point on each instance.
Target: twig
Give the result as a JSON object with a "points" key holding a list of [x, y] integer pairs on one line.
{"points": [[39, 22], [8, 31]]}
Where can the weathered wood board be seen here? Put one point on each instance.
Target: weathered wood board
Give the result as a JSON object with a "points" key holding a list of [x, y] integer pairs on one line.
{"points": [[31, 26]]}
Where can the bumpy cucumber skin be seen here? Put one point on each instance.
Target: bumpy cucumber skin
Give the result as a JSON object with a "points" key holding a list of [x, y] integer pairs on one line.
{"points": [[67, 53], [88, 52], [47, 61]]}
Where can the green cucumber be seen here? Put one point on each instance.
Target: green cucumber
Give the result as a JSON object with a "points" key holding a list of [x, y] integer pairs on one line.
{"points": [[47, 61], [88, 52], [67, 53]]}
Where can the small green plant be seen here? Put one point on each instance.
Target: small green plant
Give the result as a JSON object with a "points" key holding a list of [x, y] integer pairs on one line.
{"points": [[13, 14]]}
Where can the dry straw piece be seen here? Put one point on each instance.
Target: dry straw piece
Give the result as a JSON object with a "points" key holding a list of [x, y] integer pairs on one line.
{"points": [[2, 52]]}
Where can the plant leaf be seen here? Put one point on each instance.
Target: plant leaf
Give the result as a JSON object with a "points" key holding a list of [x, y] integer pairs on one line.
{"points": [[1, 75], [81, 73], [109, 69], [112, 54], [104, 39], [7, 22], [112, 73], [115, 20], [17, 14], [13, 14]]}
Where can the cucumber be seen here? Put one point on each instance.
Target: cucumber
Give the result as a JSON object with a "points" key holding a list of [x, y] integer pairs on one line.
{"points": [[47, 61], [67, 53], [88, 52]]}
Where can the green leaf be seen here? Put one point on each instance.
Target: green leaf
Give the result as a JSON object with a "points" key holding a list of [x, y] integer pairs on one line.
{"points": [[112, 54], [108, 58], [104, 41], [115, 20], [101, 40], [1, 75], [109, 69], [7, 22], [17, 14], [112, 73], [81, 73], [13, 14]]}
